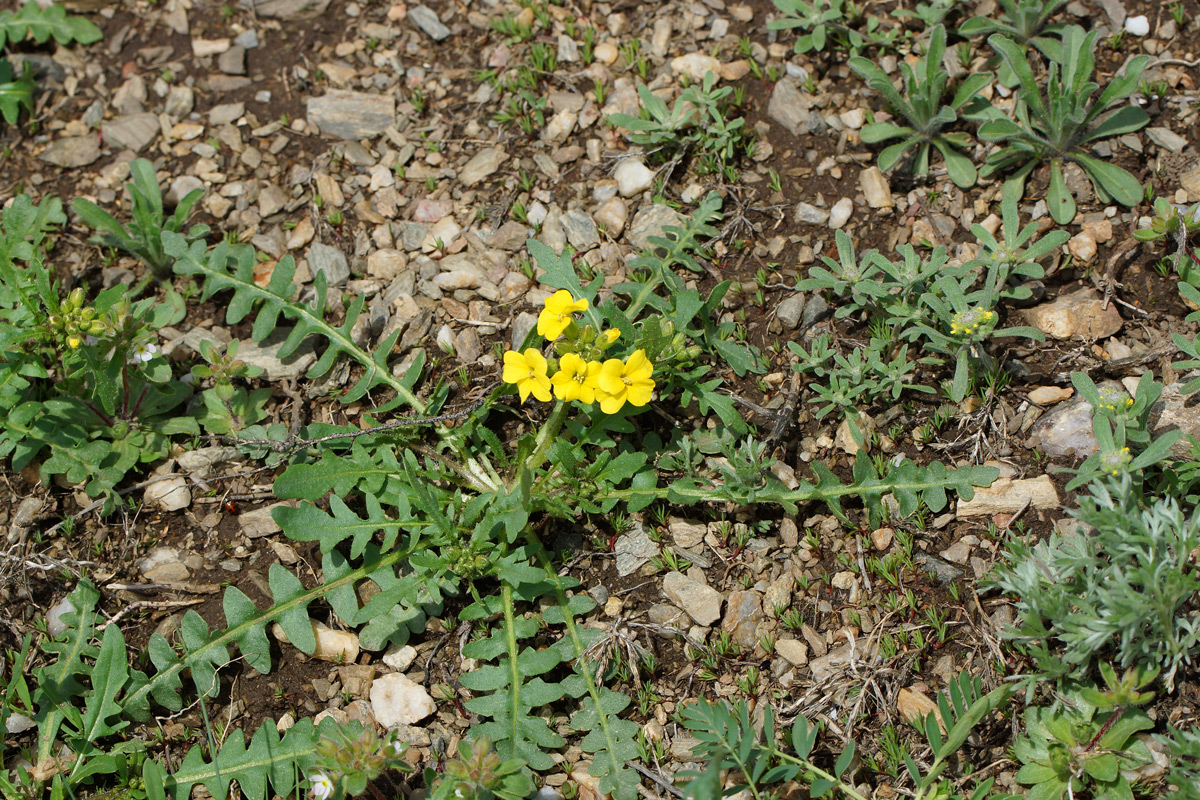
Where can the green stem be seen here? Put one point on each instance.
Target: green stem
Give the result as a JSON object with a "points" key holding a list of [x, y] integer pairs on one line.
{"points": [[813, 768], [546, 435]]}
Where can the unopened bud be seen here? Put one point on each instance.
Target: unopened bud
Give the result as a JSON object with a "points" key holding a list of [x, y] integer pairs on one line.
{"points": [[75, 298]]}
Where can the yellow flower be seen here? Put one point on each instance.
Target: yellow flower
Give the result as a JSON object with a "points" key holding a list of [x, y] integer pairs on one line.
{"points": [[558, 314], [528, 372], [74, 341], [610, 336], [576, 379], [625, 382]]}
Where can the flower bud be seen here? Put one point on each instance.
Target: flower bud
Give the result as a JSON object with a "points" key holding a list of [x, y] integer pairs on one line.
{"points": [[75, 298], [97, 328], [87, 313]]}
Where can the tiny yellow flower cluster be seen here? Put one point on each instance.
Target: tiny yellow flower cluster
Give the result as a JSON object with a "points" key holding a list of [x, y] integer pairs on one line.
{"points": [[75, 321], [1115, 461], [611, 383], [966, 323], [1114, 400]]}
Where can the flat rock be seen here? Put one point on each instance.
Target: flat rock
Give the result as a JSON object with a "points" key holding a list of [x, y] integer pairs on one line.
{"points": [[651, 221], [580, 229], [633, 549], [330, 261], [790, 107], [233, 61], [1077, 315], [171, 494], [397, 700], [202, 461], [131, 132], [1008, 496], [427, 20], [1166, 139], [794, 651], [1176, 411], [259, 522], [288, 9], [743, 613], [1066, 431], [687, 533], [839, 215], [72, 151], [915, 707], [352, 115], [810, 214], [695, 66], [482, 164], [702, 603], [265, 355], [400, 658], [164, 565], [1049, 395]]}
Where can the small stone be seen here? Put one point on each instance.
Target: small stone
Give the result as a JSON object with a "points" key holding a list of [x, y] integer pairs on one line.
{"points": [[875, 187], [233, 61], [352, 115], [260, 522], [397, 700], [271, 200], [881, 538], [400, 658], [164, 565], [428, 21], [734, 70], [957, 553], [1077, 315], [789, 311], [839, 215], [1008, 496], [915, 707], [793, 651], [633, 550], [613, 215], [1049, 395], [816, 642], [180, 101], [481, 165], [605, 53], [633, 177], [171, 494], [54, 617], [302, 234], [580, 229], [202, 48], [265, 355], [1066, 431], [559, 127], [1166, 139], [386, 264], [132, 132], [226, 113], [338, 647], [843, 580], [1083, 247], [790, 107], [853, 119], [72, 151], [695, 66], [687, 533], [329, 261], [651, 221], [702, 603], [810, 214]]}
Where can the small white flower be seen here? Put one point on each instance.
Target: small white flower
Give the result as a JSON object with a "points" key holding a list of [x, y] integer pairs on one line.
{"points": [[1137, 26], [322, 786], [394, 749], [144, 352]]}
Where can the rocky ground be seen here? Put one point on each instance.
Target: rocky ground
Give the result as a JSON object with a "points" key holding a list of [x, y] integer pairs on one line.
{"points": [[365, 140]]}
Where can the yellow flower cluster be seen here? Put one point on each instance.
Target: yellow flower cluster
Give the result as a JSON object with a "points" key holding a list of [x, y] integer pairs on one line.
{"points": [[1114, 400], [611, 383], [1116, 460], [966, 323]]}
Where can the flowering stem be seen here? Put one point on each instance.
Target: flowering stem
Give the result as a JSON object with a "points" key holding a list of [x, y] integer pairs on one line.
{"points": [[546, 435]]}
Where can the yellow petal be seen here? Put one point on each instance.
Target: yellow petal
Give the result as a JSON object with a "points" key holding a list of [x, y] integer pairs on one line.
{"points": [[640, 393]]}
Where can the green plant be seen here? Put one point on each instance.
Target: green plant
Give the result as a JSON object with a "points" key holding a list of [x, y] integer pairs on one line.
{"points": [[697, 121], [1057, 127], [835, 23], [349, 757], [1087, 741], [476, 771], [1017, 254], [144, 238], [1024, 22], [227, 408], [921, 105], [1117, 584], [81, 382], [32, 21], [738, 752], [1184, 749], [1174, 226]]}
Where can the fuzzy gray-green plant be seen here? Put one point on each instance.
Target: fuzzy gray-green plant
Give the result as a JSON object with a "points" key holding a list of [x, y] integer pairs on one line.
{"points": [[1120, 585]]}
